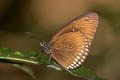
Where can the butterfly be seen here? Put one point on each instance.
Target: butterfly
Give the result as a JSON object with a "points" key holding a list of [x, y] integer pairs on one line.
{"points": [[70, 45]]}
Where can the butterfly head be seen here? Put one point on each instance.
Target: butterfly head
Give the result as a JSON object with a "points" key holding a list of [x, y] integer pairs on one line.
{"points": [[46, 46]]}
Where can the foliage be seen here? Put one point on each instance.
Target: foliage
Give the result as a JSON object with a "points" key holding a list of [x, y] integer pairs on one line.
{"points": [[16, 58]]}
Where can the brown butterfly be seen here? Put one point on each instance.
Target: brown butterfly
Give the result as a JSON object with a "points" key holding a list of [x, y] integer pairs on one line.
{"points": [[70, 45]]}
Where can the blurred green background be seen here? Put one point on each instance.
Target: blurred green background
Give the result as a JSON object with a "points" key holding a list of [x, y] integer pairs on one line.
{"points": [[43, 18]]}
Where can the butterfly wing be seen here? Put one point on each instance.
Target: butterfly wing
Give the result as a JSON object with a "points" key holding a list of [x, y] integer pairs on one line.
{"points": [[70, 44]]}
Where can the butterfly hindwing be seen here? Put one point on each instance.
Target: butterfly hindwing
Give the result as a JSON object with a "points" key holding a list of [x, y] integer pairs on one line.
{"points": [[69, 49]]}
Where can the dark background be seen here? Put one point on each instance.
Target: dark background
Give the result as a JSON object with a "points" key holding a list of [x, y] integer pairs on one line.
{"points": [[43, 18]]}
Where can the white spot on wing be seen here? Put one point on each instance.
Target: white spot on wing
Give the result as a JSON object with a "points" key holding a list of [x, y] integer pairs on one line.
{"points": [[82, 60], [86, 53], [79, 62], [80, 54], [84, 57], [87, 46], [81, 51], [74, 66], [78, 57], [70, 66], [86, 49], [82, 46], [74, 21], [67, 67], [74, 62], [73, 29], [77, 65], [86, 40]]}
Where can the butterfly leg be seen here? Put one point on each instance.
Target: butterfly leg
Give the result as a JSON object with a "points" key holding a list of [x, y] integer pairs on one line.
{"points": [[40, 52], [50, 59]]}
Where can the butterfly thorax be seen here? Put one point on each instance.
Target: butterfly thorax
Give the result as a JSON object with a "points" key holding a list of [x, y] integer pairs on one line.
{"points": [[46, 46]]}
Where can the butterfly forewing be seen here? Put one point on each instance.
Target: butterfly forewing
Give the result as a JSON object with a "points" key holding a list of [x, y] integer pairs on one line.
{"points": [[86, 24], [70, 44]]}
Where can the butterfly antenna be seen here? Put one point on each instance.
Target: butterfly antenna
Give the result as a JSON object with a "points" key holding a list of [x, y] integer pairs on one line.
{"points": [[31, 35]]}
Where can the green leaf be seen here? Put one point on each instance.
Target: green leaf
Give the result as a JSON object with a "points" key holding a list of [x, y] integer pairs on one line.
{"points": [[86, 73], [33, 57], [8, 54]]}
